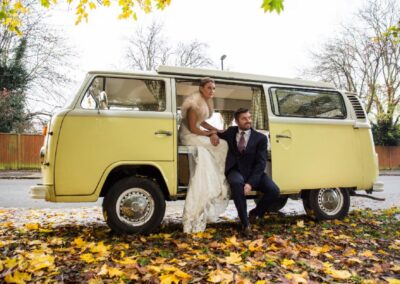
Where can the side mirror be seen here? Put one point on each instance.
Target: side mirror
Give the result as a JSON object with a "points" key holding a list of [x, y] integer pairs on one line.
{"points": [[103, 101]]}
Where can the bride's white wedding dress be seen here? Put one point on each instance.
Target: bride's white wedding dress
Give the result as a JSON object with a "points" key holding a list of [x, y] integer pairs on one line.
{"points": [[208, 193]]}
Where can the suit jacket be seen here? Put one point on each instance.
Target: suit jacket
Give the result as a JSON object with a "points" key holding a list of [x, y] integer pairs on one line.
{"points": [[251, 163]]}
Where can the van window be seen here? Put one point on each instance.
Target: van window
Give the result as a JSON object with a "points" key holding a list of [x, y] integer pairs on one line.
{"points": [[228, 98], [307, 103], [125, 94]]}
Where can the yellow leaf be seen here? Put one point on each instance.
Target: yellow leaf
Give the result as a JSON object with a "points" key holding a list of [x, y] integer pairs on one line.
{"points": [[203, 235], [394, 268], [256, 245], [232, 242], [248, 266], [10, 262], [202, 257], [40, 260], [126, 261], [368, 253], [18, 277], [32, 226], [392, 280], [300, 224], [79, 242], [349, 252], [261, 282], [328, 255], [273, 247], [45, 230], [297, 278], [183, 275], [88, 257], [95, 281], [325, 248], [338, 274], [287, 262], [169, 279], [353, 260], [233, 258], [101, 249], [182, 245], [103, 270], [219, 275], [112, 271]]}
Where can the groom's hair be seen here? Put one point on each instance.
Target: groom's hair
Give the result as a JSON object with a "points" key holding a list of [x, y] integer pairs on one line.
{"points": [[239, 111]]}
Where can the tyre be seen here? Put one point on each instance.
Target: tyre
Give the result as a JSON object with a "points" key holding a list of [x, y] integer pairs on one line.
{"points": [[327, 203], [134, 205], [305, 196]]}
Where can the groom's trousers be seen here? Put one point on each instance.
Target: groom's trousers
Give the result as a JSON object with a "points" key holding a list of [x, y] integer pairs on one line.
{"points": [[269, 189]]}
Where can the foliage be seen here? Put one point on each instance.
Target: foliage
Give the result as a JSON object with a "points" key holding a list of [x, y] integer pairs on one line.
{"points": [[45, 50], [13, 82], [148, 48], [48, 246], [12, 10], [12, 111], [385, 133]]}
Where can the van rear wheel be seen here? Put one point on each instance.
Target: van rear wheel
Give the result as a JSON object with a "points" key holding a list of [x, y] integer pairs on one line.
{"points": [[327, 203], [134, 205]]}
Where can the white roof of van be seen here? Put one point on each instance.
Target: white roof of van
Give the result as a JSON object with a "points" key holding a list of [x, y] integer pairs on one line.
{"points": [[218, 74]]}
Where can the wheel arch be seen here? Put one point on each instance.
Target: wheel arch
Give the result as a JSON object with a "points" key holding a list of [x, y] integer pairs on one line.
{"points": [[120, 171]]}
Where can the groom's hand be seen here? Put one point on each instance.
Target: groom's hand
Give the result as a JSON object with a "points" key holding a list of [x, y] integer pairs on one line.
{"points": [[214, 139], [247, 189]]}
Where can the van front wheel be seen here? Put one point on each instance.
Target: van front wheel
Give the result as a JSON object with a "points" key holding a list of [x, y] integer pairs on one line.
{"points": [[134, 205], [327, 203]]}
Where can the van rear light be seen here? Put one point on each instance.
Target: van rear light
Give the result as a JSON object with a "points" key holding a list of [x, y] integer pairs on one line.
{"points": [[45, 130]]}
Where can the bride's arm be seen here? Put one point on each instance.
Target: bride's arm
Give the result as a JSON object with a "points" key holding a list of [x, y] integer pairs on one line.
{"points": [[192, 118], [208, 126]]}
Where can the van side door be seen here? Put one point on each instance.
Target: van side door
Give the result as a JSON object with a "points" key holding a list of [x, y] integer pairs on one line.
{"points": [[313, 142]]}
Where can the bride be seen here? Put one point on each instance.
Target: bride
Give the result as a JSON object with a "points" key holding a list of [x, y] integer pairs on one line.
{"points": [[208, 193]]}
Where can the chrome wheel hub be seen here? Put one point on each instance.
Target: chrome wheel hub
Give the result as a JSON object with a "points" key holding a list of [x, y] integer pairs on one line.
{"points": [[135, 206], [330, 200]]}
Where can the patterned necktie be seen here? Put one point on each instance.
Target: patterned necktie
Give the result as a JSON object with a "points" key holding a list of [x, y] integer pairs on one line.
{"points": [[242, 142]]}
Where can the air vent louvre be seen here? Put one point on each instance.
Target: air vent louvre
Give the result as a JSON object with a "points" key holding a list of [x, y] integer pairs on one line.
{"points": [[359, 110]]}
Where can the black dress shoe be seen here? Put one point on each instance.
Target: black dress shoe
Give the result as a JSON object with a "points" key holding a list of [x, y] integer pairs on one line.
{"points": [[253, 218], [246, 231]]}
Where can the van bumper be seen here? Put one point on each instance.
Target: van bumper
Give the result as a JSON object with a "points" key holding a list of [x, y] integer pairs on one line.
{"points": [[41, 191], [378, 186]]}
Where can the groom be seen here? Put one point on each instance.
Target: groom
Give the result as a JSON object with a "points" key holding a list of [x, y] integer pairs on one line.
{"points": [[244, 168]]}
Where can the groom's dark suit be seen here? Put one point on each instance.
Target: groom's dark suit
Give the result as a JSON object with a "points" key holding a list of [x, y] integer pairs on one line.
{"points": [[248, 167]]}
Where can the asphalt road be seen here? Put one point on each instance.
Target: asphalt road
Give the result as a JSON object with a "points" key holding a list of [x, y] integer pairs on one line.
{"points": [[14, 193]]}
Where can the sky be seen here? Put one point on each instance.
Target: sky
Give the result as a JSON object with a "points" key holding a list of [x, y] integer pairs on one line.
{"points": [[253, 41]]}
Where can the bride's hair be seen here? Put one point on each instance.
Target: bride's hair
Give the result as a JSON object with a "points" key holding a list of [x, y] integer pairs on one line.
{"points": [[204, 81]]}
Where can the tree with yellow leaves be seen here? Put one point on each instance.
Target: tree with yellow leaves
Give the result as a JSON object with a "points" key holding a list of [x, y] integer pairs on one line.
{"points": [[11, 10]]}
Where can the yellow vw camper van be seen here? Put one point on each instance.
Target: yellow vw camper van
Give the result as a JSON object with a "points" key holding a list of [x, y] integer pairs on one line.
{"points": [[118, 140]]}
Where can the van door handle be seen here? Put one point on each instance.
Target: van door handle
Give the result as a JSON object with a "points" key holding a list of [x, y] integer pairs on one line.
{"points": [[283, 136], [163, 132]]}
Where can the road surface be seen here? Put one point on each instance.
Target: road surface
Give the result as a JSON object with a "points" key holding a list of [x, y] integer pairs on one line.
{"points": [[14, 193]]}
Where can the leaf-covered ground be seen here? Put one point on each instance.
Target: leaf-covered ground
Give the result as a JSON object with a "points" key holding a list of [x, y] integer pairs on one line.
{"points": [[46, 245]]}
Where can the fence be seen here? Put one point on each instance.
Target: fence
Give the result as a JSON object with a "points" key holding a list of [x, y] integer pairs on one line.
{"points": [[20, 151], [389, 157]]}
